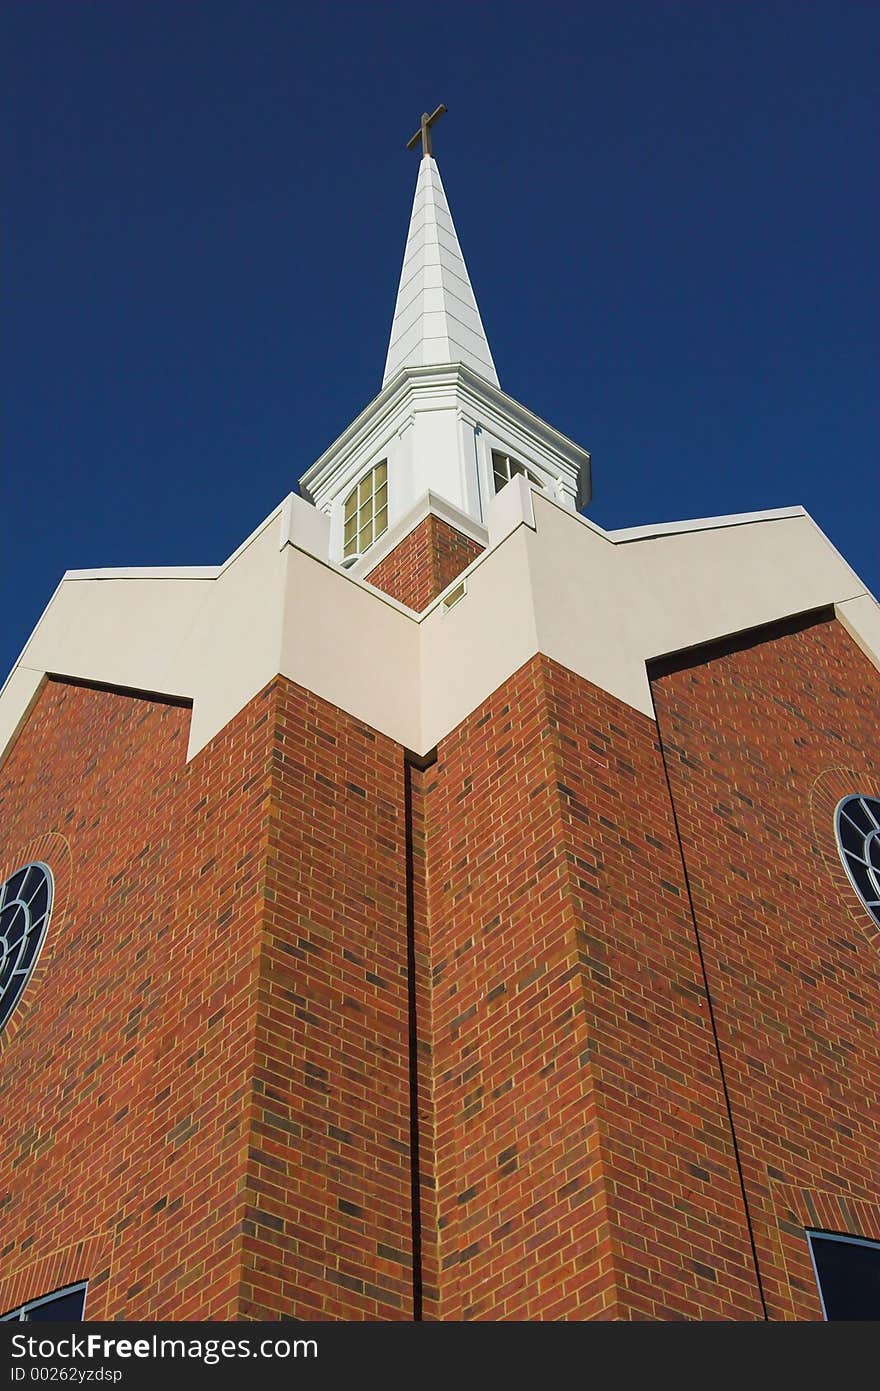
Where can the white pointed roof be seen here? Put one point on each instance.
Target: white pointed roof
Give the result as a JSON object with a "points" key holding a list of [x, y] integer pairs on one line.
{"points": [[436, 319]]}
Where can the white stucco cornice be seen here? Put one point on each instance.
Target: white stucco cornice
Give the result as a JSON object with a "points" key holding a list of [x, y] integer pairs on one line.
{"points": [[549, 581], [623, 535], [147, 572]]}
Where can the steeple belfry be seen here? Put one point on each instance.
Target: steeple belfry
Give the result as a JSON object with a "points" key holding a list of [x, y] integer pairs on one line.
{"points": [[436, 319]]}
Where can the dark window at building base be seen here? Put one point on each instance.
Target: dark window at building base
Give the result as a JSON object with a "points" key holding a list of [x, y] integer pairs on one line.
{"points": [[848, 1274], [64, 1306]]}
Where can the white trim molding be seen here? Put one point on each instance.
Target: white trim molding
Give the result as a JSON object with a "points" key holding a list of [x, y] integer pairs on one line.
{"points": [[547, 581]]}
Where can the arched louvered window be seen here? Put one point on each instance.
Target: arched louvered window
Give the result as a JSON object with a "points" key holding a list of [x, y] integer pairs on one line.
{"points": [[365, 512]]}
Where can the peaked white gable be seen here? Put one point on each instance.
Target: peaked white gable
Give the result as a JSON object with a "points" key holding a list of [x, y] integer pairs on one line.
{"points": [[436, 319]]}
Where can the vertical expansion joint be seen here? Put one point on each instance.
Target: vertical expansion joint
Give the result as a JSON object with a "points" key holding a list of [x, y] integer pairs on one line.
{"points": [[419, 762], [712, 1020]]}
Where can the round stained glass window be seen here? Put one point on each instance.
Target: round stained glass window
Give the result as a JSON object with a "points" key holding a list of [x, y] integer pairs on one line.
{"points": [[857, 825], [25, 905]]}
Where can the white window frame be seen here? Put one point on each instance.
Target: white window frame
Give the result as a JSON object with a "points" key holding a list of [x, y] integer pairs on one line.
{"points": [[369, 513], [514, 466]]}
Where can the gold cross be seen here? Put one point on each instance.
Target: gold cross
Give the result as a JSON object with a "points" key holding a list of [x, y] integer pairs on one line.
{"points": [[424, 131]]}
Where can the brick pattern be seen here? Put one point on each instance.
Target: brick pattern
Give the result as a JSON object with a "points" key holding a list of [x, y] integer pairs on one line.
{"points": [[795, 1210], [424, 563], [761, 742], [206, 1074], [123, 1088], [88, 1259], [583, 1164], [328, 1232]]}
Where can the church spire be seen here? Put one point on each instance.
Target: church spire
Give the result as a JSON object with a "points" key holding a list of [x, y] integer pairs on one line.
{"points": [[436, 318]]}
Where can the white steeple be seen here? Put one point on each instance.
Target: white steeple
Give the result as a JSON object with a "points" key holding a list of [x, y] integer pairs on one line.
{"points": [[441, 437], [436, 319]]}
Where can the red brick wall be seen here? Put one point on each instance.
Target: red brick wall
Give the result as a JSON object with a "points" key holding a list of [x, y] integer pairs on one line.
{"points": [[330, 1191], [761, 743], [203, 1099], [123, 1075], [583, 1162], [204, 1093], [424, 563]]}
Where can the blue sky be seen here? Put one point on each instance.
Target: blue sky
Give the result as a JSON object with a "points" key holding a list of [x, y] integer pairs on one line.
{"points": [[669, 213]]}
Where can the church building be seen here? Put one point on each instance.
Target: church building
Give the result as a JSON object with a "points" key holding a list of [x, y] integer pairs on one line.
{"points": [[445, 908]]}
